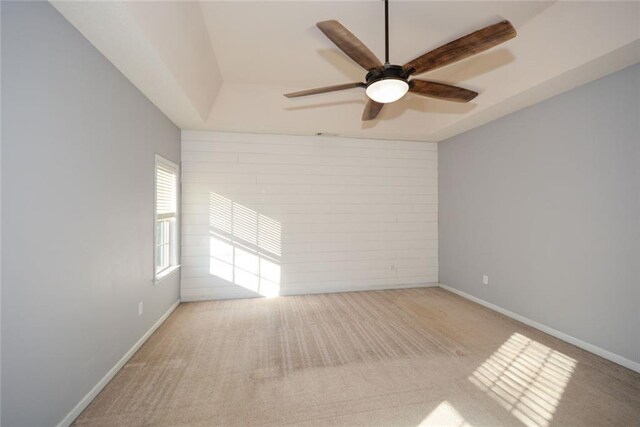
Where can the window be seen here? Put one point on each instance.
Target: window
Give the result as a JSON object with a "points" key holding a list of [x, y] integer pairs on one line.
{"points": [[166, 209]]}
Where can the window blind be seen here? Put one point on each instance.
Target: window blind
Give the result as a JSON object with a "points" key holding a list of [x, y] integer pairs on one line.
{"points": [[166, 200]]}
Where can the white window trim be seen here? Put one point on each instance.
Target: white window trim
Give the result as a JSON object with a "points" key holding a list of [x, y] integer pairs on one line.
{"points": [[158, 277]]}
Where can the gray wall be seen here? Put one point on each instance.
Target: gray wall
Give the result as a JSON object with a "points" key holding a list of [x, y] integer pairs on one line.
{"points": [[77, 215], [546, 202]]}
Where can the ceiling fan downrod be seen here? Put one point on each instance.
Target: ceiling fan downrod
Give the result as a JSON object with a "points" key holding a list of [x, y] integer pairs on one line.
{"points": [[386, 32]]}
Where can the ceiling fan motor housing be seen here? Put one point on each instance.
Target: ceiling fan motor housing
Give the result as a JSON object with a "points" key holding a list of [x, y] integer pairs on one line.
{"points": [[387, 72]]}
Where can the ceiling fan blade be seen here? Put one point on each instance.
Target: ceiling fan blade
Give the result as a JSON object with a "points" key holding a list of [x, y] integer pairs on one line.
{"points": [[324, 90], [349, 44], [371, 110], [462, 48], [441, 91]]}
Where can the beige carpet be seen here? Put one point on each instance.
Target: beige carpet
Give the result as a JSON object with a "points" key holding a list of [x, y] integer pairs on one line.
{"points": [[384, 358]]}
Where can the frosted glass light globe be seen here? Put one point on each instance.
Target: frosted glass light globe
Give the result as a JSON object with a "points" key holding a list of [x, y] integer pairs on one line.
{"points": [[387, 90]]}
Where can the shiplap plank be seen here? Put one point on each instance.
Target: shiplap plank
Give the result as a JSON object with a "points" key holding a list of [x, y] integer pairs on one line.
{"points": [[323, 179], [298, 188], [314, 266], [295, 170], [199, 150], [307, 198], [365, 224], [202, 200], [342, 256], [297, 141], [288, 159]]}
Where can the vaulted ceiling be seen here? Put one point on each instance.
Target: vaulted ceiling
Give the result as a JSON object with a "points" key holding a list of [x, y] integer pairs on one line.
{"points": [[225, 65]]}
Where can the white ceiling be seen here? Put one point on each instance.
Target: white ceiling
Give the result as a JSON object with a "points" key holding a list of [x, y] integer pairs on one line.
{"points": [[225, 65]]}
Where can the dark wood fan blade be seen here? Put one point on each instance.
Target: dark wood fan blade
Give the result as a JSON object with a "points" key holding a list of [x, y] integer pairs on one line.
{"points": [[371, 110], [462, 48], [349, 44], [324, 90], [441, 91]]}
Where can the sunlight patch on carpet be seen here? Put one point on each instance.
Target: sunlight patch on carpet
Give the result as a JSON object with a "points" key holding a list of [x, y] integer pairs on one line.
{"points": [[444, 415], [526, 378]]}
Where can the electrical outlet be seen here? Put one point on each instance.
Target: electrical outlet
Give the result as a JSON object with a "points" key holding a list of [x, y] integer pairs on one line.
{"points": [[485, 280], [140, 308]]}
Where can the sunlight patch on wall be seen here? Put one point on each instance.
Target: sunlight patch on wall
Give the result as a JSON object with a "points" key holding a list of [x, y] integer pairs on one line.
{"points": [[444, 415], [526, 378], [245, 246]]}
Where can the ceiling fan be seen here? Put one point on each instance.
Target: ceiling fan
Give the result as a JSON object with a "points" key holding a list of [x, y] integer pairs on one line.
{"points": [[387, 82]]}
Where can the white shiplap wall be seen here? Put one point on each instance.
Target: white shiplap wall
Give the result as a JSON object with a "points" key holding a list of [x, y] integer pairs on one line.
{"points": [[330, 214]]}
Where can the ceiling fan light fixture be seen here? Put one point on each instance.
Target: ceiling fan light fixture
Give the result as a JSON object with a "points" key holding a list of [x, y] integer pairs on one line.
{"points": [[387, 82], [387, 90]]}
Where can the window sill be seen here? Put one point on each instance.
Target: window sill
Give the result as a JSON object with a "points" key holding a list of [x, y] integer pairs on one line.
{"points": [[166, 273]]}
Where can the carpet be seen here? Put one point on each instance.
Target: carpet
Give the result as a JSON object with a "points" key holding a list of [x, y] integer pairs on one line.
{"points": [[378, 358]]}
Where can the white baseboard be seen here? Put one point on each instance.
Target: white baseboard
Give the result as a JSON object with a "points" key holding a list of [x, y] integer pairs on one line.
{"points": [[71, 416], [630, 364]]}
